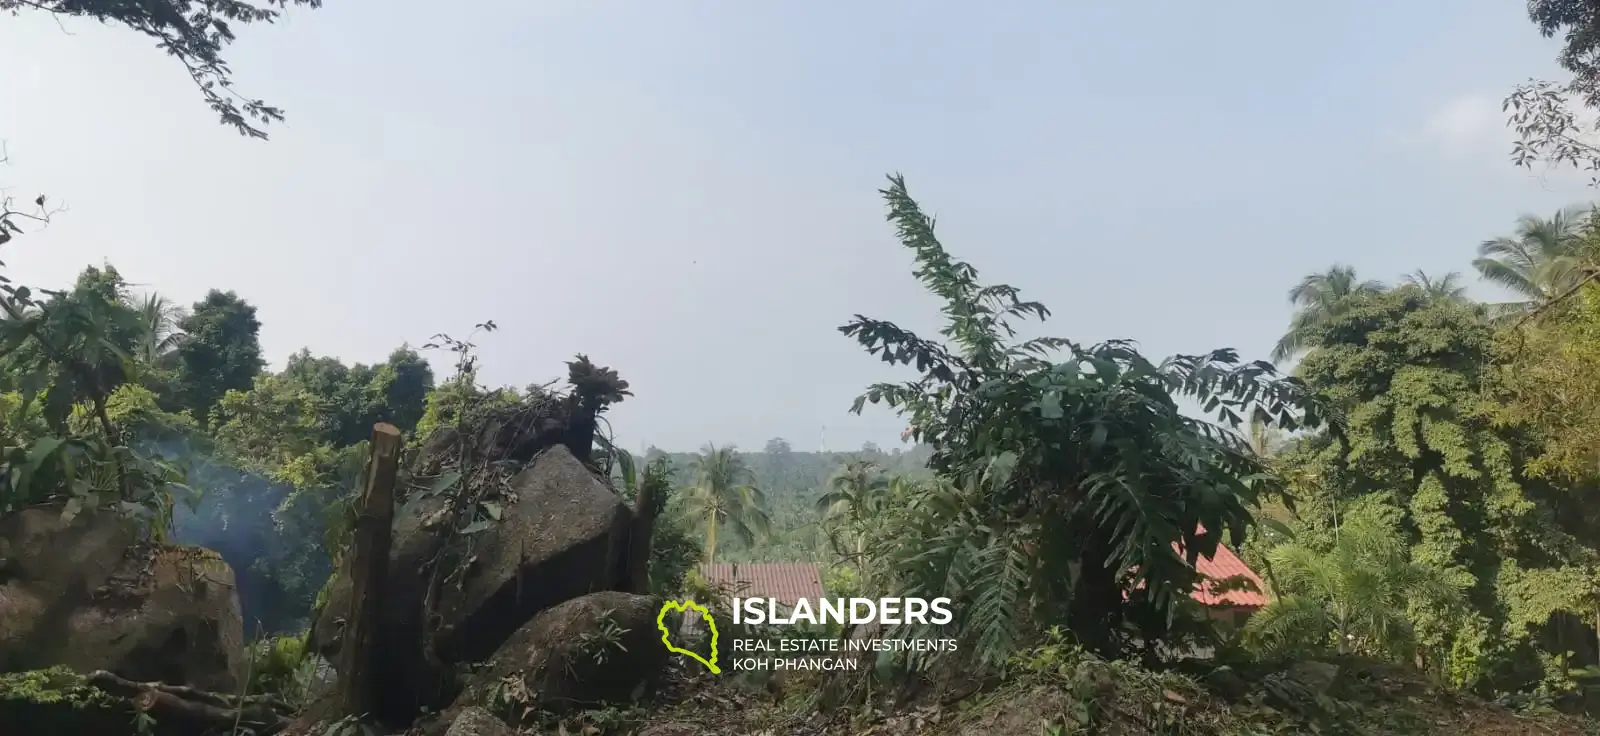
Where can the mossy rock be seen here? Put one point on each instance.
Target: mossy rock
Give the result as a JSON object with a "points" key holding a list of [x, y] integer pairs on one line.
{"points": [[58, 700]]}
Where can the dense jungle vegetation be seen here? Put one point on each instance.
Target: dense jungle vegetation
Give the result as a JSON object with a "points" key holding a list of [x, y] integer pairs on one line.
{"points": [[1437, 454], [1420, 489]]}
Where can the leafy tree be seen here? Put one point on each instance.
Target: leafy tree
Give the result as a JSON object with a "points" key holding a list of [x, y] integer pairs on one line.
{"points": [[1318, 298], [353, 398], [72, 350], [1415, 378], [277, 420], [1551, 373], [779, 463], [1079, 492], [401, 387], [1580, 52], [221, 353], [80, 348], [195, 32], [1549, 129], [723, 496]]}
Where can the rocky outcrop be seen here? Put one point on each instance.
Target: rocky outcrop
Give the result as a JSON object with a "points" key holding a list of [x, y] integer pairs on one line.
{"points": [[560, 535], [83, 594], [599, 649]]}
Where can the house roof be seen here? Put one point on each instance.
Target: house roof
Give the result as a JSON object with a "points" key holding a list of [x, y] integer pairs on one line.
{"points": [[786, 582], [1222, 565]]}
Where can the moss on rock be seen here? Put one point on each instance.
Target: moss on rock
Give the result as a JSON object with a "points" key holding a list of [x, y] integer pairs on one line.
{"points": [[59, 700]]}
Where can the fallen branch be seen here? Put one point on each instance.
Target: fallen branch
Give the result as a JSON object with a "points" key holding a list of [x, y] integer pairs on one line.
{"points": [[183, 709]]}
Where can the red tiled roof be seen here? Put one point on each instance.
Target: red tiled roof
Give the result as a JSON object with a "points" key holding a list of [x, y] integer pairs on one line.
{"points": [[785, 582], [1222, 565]]}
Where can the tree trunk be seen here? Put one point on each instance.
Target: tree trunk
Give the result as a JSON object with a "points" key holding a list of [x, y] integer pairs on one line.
{"points": [[711, 539], [644, 522], [1097, 602], [580, 429], [369, 564]]}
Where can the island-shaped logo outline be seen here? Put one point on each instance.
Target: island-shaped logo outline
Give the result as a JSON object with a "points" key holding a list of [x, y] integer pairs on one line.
{"points": [[666, 636]]}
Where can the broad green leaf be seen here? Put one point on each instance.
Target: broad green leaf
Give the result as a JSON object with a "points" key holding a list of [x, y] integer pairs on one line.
{"points": [[477, 526], [492, 509]]}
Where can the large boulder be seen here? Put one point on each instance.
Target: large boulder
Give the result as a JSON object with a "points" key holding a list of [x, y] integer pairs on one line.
{"points": [[478, 722], [602, 648], [84, 594], [561, 535]]}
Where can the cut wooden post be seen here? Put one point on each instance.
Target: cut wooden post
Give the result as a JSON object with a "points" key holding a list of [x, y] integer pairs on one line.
{"points": [[369, 565], [644, 522]]}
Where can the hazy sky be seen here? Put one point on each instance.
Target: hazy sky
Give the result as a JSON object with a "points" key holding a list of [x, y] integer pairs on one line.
{"points": [[686, 191]]}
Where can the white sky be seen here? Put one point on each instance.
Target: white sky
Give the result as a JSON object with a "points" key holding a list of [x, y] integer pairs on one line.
{"points": [[686, 191]]}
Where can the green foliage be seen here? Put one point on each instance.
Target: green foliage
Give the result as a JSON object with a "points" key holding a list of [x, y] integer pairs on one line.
{"points": [[674, 551], [279, 666], [1550, 369], [1357, 597], [71, 352], [1317, 298], [445, 405], [55, 685], [350, 399], [222, 351], [1071, 482], [791, 483], [1413, 376], [1542, 260], [1580, 52], [71, 348], [597, 646], [281, 462], [858, 498], [674, 545]]}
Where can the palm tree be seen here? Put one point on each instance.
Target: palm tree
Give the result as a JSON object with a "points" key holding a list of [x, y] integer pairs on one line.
{"points": [[1317, 298], [855, 498], [1541, 260], [1354, 597], [725, 495], [855, 487], [160, 336], [1449, 287]]}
